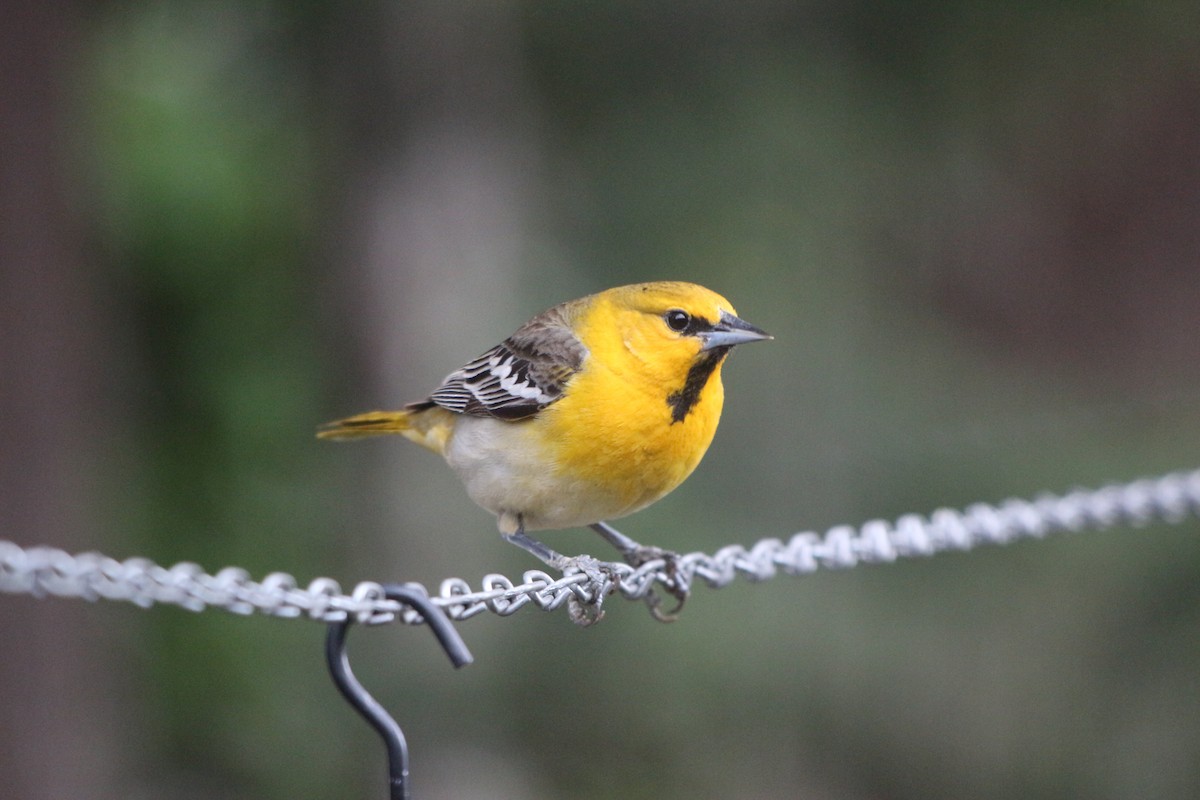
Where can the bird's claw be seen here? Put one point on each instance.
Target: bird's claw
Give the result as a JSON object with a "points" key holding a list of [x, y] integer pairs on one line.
{"points": [[603, 577], [676, 583]]}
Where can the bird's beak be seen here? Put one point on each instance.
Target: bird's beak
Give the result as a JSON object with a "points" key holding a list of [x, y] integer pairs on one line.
{"points": [[731, 330]]}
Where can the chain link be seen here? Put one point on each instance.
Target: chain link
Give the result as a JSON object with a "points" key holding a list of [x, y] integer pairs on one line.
{"points": [[46, 571]]}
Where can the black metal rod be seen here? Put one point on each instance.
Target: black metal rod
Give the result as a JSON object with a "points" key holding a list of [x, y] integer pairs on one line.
{"points": [[368, 706]]}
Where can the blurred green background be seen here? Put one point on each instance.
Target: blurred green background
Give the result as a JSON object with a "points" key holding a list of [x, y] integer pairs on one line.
{"points": [[973, 228]]}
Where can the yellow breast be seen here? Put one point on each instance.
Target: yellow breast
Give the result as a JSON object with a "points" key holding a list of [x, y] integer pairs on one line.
{"points": [[628, 448], [614, 428]]}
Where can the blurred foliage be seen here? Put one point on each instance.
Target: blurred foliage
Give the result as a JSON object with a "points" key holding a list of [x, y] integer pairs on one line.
{"points": [[971, 228]]}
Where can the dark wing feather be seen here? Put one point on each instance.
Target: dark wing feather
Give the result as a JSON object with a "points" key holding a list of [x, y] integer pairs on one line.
{"points": [[518, 377]]}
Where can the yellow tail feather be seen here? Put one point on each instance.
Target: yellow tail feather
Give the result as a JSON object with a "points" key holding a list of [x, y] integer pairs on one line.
{"points": [[373, 423], [427, 425]]}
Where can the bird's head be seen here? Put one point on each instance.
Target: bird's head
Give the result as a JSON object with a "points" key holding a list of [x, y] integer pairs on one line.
{"points": [[670, 326]]}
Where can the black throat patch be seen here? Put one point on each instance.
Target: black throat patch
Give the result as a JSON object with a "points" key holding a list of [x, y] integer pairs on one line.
{"points": [[684, 400]]}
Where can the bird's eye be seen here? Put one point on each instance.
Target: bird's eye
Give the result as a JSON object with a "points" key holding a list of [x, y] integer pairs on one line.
{"points": [[677, 319]]}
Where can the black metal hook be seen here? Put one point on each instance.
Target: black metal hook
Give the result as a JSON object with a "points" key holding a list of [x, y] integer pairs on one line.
{"points": [[368, 706]]}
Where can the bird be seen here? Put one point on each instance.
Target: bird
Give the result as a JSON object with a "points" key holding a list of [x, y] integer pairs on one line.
{"points": [[590, 411]]}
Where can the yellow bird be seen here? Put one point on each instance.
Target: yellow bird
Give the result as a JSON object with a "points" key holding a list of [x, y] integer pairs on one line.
{"points": [[592, 410]]}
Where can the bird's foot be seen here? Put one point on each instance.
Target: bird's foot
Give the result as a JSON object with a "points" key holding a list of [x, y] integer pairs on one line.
{"points": [[637, 555], [676, 583], [603, 577]]}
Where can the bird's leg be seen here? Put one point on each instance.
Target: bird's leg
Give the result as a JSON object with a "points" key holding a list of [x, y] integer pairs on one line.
{"points": [[636, 555], [548, 556], [604, 578], [628, 547]]}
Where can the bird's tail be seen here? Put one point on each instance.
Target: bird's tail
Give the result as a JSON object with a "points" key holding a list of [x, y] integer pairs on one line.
{"points": [[424, 423], [372, 423]]}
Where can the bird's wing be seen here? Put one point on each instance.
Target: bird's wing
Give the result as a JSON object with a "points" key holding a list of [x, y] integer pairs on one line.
{"points": [[518, 377]]}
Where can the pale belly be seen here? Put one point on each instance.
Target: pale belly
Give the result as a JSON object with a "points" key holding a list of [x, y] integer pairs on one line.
{"points": [[491, 458]]}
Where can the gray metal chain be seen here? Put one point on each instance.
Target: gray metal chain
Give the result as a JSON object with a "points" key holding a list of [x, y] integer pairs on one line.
{"points": [[43, 571]]}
